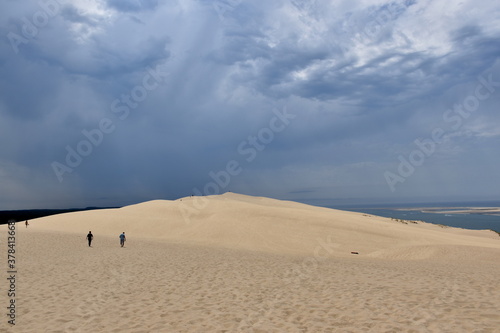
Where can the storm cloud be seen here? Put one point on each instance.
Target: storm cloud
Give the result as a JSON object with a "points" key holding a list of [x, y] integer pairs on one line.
{"points": [[107, 103]]}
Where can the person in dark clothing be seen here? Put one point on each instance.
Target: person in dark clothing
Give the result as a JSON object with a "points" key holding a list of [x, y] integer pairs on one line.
{"points": [[122, 239], [90, 237]]}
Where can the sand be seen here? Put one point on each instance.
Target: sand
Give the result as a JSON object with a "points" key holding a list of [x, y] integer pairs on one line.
{"points": [[457, 210], [234, 263]]}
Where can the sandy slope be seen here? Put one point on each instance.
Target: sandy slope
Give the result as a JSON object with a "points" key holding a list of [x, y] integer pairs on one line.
{"points": [[234, 263], [262, 224]]}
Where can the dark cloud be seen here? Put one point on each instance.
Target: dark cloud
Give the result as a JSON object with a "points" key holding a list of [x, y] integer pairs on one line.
{"points": [[189, 87], [72, 14], [133, 5]]}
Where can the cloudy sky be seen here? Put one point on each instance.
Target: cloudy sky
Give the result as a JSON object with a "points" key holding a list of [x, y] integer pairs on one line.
{"points": [[113, 102]]}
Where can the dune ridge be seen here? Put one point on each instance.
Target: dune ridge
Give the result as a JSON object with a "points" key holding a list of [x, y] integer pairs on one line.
{"points": [[238, 221]]}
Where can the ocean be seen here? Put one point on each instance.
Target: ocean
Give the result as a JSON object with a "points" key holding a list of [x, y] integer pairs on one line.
{"points": [[411, 212]]}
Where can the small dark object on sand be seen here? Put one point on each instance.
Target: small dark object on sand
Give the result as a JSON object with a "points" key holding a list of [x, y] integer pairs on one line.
{"points": [[354, 252]]}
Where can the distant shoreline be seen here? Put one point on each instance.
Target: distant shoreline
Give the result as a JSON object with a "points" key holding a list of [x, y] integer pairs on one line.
{"points": [[455, 210], [465, 216]]}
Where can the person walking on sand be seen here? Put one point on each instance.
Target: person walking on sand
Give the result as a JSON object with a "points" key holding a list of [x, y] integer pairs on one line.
{"points": [[26, 223], [122, 239], [90, 237]]}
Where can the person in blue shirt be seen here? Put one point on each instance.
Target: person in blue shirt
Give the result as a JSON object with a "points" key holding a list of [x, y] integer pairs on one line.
{"points": [[122, 239]]}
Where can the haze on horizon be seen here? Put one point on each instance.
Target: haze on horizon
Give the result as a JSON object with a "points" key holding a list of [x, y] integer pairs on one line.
{"points": [[109, 103]]}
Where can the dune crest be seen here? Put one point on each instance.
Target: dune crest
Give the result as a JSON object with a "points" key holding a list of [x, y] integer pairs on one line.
{"points": [[252, 223]]}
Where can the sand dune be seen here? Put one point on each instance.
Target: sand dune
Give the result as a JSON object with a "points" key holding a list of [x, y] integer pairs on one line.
{"points": [[234, 263], [262, 224]]}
